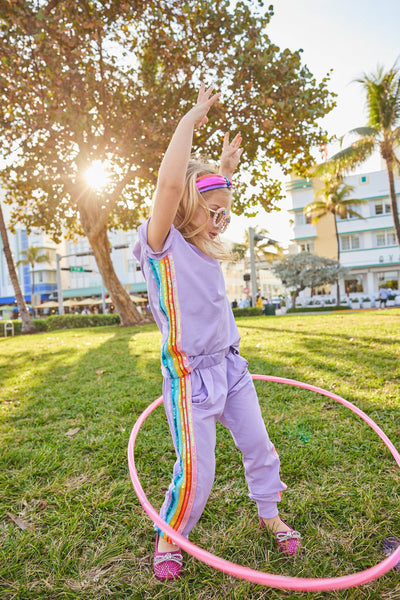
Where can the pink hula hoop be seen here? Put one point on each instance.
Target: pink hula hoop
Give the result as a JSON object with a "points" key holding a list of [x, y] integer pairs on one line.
{"points": [[302, 584]]}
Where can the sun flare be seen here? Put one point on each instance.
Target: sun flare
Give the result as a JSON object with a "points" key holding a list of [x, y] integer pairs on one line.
{"points": [[97, 175]]}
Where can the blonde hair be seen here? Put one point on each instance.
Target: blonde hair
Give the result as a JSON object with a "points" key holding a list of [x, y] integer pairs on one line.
{"points": [[190, 201]]}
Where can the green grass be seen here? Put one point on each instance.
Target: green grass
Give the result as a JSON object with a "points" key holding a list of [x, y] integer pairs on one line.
{"points": [[88, 536]]}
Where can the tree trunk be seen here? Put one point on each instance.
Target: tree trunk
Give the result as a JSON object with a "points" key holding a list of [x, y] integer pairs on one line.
{"points": [[393, 200], [294, 298], [33, 289], [27, 324], [126, 309], [338, 259]]}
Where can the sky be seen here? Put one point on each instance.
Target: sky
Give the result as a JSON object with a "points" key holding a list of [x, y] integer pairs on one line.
{"points": [[349, 36]]}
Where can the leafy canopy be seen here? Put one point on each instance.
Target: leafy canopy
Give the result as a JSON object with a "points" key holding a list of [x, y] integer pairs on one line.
{"points": [[108, 80]]}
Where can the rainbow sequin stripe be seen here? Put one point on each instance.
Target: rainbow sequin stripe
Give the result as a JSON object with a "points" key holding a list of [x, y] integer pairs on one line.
{"points": [[183, 487]]}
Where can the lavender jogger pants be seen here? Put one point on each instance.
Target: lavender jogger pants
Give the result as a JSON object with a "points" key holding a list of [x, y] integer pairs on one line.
{"points": [[219, 388]]}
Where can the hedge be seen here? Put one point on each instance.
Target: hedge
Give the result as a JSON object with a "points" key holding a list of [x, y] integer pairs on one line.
{"points": [[328, 307], [78, 321], [249, 311], [65, 322]]}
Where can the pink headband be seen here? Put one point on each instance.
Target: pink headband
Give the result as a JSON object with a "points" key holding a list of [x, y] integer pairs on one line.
{"points": [[212, 182]]}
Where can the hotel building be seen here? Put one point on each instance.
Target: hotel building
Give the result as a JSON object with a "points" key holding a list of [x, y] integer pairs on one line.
{"points": [[368, 246]]}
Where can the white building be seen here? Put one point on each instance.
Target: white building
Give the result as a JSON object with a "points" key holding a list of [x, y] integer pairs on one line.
{"points": [[368, 245], [75, 284], [44, 273]]}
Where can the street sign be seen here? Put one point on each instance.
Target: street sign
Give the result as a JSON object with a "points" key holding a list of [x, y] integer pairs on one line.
{"points": [[245, 290], [76, 269]]}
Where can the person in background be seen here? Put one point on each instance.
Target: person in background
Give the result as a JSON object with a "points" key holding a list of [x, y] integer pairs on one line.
{"points": [[383, 297]]}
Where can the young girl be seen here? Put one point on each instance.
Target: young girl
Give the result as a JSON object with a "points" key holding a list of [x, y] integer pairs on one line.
{"points": [[205, 378]]}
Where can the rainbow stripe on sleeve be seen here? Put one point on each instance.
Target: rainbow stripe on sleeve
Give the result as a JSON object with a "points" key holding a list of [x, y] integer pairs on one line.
{"points": [[183, 488]]}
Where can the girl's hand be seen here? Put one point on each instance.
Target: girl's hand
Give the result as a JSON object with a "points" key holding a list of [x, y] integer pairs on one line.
{"points": [[205, 101], [230, 156]]}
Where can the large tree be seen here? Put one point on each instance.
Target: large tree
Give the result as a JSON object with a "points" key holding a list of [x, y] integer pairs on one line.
{"points": [[382, 90], [27, 324], [107, 81], [299, 271]]}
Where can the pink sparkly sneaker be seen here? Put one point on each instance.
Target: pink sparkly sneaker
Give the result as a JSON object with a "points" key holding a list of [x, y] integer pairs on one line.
{"points": [[167, 565], [288, 541]]}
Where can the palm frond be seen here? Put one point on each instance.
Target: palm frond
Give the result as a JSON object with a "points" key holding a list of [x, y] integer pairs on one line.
{"points": [[343, 190], [314, 207], [364, 131], [396, 134], [353, 156], [353, 201], [354, 213], [382, 90], [325, 168], [316, 210]]}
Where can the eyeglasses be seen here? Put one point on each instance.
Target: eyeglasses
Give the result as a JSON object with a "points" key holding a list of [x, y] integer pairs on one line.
{"points": [[220, 218]]}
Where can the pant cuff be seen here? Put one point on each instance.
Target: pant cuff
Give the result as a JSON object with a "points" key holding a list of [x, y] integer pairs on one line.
{"points": [[268, 510]]}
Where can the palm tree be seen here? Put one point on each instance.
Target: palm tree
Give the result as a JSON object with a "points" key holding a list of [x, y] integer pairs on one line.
{"points": [[27, 324], [333, 199], [383, 128], [262, 247], [32, 255]]}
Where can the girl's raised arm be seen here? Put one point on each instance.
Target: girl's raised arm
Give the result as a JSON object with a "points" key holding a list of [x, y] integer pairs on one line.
{"points": [[172, 173]]}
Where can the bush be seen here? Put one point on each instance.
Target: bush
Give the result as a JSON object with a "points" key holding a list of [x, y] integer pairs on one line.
{"points": [[249, 311], [316, 308], [65, 322], [78, 321]]}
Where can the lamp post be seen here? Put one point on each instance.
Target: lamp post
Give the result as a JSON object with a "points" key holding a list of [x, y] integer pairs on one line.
{"points": [[255, 237], [252, 267], [59, 288]]}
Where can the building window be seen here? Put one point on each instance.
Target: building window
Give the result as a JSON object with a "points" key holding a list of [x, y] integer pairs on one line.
{"points": [[389, 278], [350, 242], [385, 238], [354, 285], [302, 219], [382, 207], [363, 179], [306, 247]]}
